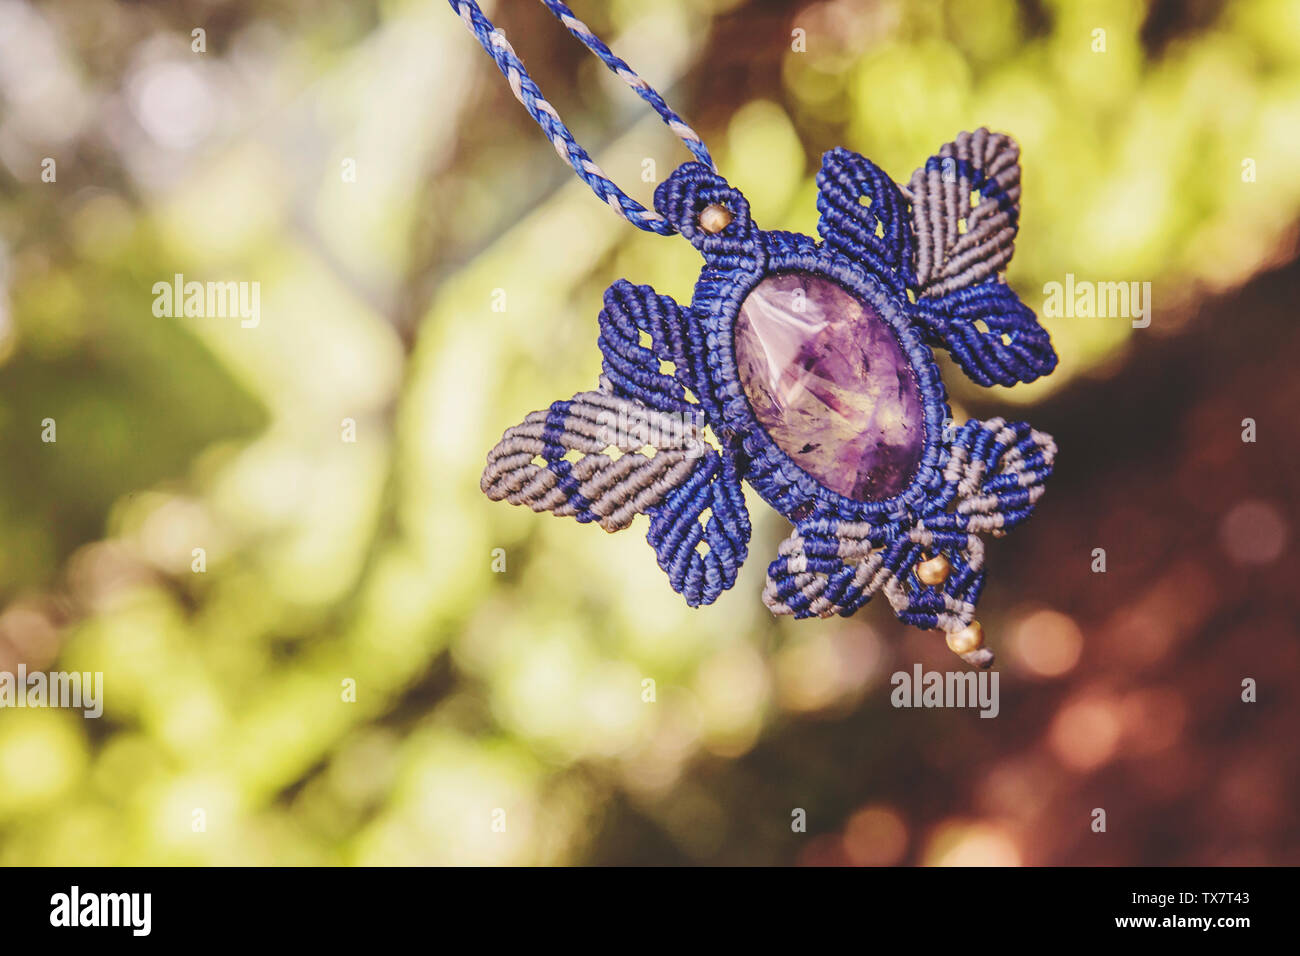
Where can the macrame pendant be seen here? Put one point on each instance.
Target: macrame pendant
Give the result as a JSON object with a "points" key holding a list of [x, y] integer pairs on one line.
{"points": [[811, 363], [804, 368]]}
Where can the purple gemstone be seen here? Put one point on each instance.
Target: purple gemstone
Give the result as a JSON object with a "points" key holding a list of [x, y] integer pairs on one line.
{"points": [[827, 378]]}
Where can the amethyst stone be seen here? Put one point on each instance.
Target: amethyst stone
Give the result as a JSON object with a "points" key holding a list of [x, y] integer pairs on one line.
{"points": [[828, 380]]}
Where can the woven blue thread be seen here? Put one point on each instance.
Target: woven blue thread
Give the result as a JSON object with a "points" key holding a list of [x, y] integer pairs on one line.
{"points": [[554, 428], [554, 453], [676, 532], [822, 541], [950, 320], [690, 139], [737, 259], [634, 369], [1014, 347], [849, 226], [527, 92], [843, 551]]}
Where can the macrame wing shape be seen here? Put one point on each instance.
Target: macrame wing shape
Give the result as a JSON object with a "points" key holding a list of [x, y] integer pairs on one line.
{"points": [[636, 446], [582, 458], [834, 567], [864, 216], [701, 532], [649, 352], [828, 566], [965, 215], [992, 476]]}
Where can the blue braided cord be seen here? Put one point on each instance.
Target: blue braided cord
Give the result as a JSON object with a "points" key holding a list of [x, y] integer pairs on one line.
{"points": [[690, 139], [527, 92]]}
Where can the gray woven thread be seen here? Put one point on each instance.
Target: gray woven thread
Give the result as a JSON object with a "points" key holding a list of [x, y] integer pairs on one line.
{"points": [[855, 550], [615, 490], [946, 258], [869, 575]]}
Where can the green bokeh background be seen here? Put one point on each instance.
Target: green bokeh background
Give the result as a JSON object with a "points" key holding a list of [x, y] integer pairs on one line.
{"points": [[435, 300]]}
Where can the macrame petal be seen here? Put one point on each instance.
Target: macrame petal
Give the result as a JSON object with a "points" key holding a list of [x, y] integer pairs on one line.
{"points": [[828, 567], [558, 460], [1011, 347], [638, 371], [863, 215], [820, 574], [965, 214], [701, 531], [965, 211], [993, 475]]}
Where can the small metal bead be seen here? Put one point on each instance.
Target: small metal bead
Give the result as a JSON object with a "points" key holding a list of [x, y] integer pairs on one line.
{"points": [[934, 572], [715, 218], [970, 638]]}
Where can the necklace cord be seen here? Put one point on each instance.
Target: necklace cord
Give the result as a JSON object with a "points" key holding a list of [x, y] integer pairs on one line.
{"points": [[527, 92]]}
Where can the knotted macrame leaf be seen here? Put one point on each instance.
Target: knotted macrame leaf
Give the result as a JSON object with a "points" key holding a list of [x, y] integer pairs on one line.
{"points": [[965, 211], [863, 214], [592, 458], [701, 532], [993, 475], [828, 566], [989, 332], [650, 355], [965, 214]]}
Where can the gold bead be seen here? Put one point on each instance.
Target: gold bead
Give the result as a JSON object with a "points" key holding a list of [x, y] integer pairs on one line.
{"points": [[715, 218], [934, 572], [969, 638]]}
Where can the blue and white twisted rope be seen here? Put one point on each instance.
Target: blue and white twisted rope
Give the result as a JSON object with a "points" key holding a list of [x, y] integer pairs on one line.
{"points": [[528, 93]]}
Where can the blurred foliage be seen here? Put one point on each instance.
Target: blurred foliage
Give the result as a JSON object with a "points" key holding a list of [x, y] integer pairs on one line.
{"points": [[330, 561]]}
